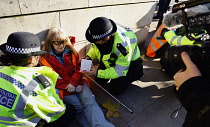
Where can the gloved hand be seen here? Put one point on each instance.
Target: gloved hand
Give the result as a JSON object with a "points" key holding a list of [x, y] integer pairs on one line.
{"points": [[70, 88], [79, 88], [164, 30]]}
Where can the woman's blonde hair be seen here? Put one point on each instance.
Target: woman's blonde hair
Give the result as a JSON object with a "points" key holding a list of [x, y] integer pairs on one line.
{"points": [[57, 34]]}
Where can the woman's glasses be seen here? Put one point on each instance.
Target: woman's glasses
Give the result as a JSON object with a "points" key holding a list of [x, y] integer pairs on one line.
{"points": [[59, 42]]}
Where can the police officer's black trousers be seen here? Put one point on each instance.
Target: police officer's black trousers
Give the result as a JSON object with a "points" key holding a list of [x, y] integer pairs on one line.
{"points": [[119, 85]]}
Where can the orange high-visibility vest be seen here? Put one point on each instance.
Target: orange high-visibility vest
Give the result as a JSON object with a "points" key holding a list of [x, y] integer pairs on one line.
{"points": [[155, 43]]}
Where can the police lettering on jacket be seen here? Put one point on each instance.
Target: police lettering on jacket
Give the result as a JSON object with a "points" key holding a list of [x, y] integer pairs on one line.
{"points": [[7, 99]]}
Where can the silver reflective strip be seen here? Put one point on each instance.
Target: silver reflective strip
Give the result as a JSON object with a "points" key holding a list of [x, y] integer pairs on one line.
{"points": [[128, 42], [15, 82], [153, 47], [179, 40], [160, 42], [30, 87], [172, 39], [133, 40], [119, 69], [117, 52], [32, 122], [134, 53], [49, 115], [24, 97], [59, 77], [125, 44]]}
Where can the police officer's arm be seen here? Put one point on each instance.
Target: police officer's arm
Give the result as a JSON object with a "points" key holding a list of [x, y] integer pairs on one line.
{"points": [[174, 39], [91, 53], [47, 104], [93, 71]]}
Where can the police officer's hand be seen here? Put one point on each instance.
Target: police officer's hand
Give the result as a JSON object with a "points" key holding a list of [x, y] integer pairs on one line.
{"points": [[70, 88], [79, 88], [164, 30], [183, 75], [93, 71]]}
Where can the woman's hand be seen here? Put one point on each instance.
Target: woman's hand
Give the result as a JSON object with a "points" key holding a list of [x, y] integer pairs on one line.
{"points": [[79, 88], [183, 75], [70, 88]]}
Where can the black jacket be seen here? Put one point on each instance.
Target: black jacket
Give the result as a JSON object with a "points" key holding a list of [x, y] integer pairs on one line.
{"points": [[194, 94]]}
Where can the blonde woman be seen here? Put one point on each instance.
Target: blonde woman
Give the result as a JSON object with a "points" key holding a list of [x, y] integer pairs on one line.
{"points": [[64, 59]]}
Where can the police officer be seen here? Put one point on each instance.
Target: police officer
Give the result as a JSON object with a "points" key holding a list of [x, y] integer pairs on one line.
{"points": [[27, 93], [116, 48], [178, 36]]}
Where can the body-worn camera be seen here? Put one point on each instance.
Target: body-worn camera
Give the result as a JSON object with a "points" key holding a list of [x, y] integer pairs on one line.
{"points": [[171, 61]]}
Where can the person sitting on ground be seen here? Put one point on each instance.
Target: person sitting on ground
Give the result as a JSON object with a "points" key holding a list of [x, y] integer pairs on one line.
{"points": [[64, 59], [116, 49], [27, 93]]}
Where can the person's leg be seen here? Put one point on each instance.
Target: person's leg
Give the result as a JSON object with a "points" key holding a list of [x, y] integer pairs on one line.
{"points": [[119, 85], [160, 8], [101, 81], [75, 101], [135, 72], [92, 110]]}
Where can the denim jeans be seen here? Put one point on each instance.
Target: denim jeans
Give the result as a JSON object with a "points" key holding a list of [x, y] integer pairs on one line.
{"points": [[80, 115], [93, 112]]}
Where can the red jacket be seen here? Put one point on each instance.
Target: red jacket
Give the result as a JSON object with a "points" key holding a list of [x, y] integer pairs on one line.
{"points": [[68, 72]]}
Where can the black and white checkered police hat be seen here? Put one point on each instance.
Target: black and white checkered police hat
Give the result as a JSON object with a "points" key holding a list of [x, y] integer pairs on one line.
{"points": [[22, 44], [99, 28]]}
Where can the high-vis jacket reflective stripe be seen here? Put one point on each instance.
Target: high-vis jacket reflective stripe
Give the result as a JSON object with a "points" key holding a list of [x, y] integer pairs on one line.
{"points": [[155, 43], [174, 39], [24, 100], [127, 38]]}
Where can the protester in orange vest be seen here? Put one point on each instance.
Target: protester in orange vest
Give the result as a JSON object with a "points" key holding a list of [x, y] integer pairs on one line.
{"points": [[156, 43], [64, 59]]}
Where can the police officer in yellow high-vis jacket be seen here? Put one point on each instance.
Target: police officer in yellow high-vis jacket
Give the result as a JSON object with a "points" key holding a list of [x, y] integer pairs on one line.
{"points": [[116, 47], [178, 36], [27, 93]]}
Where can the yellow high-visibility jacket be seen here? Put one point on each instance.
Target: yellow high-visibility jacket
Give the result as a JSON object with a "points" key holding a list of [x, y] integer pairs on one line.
{"points": [[174, 39], [128, 39], [24, 101]]}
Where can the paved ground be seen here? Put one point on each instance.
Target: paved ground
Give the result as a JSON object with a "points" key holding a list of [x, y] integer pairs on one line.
{"points": [[152, 98]]}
